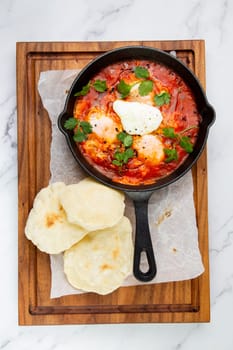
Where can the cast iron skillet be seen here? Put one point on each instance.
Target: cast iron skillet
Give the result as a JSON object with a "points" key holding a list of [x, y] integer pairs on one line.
{"points": [[140, 194]]}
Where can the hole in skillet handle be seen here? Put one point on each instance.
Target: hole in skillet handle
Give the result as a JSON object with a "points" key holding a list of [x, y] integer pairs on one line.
{"points": [[143, 243]]}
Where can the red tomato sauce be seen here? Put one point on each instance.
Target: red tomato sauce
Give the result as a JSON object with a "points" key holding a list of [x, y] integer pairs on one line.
{"points": [[180, 115]]}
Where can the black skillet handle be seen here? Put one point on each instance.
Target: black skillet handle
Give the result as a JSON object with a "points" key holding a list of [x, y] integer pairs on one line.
{"points": [[143, 243]]}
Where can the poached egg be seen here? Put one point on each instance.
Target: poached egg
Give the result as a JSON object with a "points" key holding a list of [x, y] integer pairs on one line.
{"points": [[137, 118]]}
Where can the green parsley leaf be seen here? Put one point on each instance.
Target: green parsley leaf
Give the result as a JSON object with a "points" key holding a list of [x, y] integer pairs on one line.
{"points": [[145, 87], [83, 128], [125, 138], [100, 85], [84, 91], [129, 153], [86, 127], [186, 144], [141, 72], [125, 158], [121, 158], [169, 132], [117, 162], [128, 141], [171, 154], [123, 88], [163, 98], [121, 136], [79, 136], [71, 123]]}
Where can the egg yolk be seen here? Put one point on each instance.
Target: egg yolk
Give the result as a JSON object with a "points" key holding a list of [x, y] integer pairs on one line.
{"points": [[149, 147]]}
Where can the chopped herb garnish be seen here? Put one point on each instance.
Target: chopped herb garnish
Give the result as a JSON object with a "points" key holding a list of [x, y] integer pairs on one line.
{"points": [[125, 138], [86, 127], [79, 136], [100, 85], [71, 123], [171, 154], [117, 162], [169, 132], [186, 144], [145, 87], [121, 158], [83, 128], [163, 98], [129, 153], [141, 72], [183, 141], [123, 88], [84, 91], [118, 156]]}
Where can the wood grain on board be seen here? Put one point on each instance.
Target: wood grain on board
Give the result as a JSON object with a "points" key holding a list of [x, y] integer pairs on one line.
{"points": [[186, 301]]}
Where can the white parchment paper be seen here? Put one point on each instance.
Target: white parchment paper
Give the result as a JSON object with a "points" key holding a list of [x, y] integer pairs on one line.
{"points": [[172, 217]]}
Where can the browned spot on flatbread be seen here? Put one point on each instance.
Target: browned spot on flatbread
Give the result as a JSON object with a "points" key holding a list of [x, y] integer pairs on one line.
{"points": [[174, 250], [115, 253], [106, 267], [61, 208], [52, 218]]}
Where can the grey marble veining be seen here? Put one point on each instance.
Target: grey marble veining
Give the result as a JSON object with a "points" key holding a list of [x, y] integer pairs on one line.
{"points": [[102, 15]]}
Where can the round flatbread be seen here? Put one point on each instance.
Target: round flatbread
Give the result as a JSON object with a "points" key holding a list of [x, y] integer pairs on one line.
{"points": [[92, 205], [47, 226], [101, 260]]}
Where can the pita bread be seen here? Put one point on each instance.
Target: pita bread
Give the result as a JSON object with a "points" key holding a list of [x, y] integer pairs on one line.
{"points": [[92, 205], [101, 260], [47, 226]]}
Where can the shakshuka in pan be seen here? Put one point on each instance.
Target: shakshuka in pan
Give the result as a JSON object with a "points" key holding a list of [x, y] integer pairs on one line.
{"points": [[135, 121]]}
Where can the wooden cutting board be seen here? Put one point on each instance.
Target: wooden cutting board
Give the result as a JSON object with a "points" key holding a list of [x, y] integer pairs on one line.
{"points": [[186, 301]]}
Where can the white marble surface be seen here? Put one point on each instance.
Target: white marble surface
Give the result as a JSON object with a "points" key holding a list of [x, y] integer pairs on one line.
{"points": [[74, 20]]}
